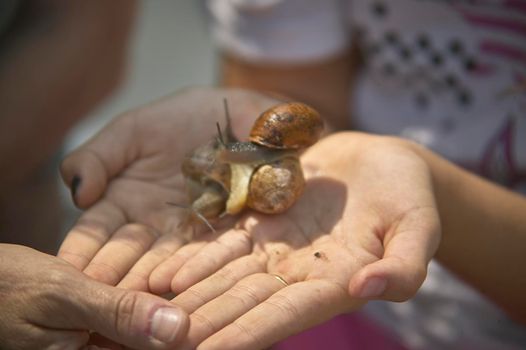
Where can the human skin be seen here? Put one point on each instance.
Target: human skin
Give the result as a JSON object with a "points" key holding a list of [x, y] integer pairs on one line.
{"points": [[48, 304], [310, 82], [388, 199], [57, 61]]}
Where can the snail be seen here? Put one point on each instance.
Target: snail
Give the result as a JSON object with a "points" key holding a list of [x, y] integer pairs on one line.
{"points": [[264, 173]]}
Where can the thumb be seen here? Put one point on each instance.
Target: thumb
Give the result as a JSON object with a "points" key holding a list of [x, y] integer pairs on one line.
{"points": [[87, 170], [136, 319], [398, 275]]}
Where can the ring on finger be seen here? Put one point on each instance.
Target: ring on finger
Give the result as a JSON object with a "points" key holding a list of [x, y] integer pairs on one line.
{"points": [[281, 279]]}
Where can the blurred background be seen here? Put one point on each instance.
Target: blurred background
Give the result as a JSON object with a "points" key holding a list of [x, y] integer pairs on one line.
{"points": [[61, 64], [170, 48]]}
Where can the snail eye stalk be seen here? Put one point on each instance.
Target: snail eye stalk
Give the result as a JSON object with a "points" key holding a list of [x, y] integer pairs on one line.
{"points": [[227, 114], [230, 137], [220, 135]]}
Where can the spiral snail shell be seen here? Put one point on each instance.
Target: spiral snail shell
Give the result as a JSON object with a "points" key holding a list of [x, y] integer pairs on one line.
{"points": [[292, 125], [264, 173], [276, 186]]}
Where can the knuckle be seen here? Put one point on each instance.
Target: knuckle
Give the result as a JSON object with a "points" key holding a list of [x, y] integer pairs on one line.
{"points": [[77, 259], [247, 335], [103, 272], [161, 253], [57, 286], [226, 276], [58, 277], [137, 238], [200, 320], [125, 306], [134, 229], [57, 280], [285, 306], [90, 229], [197, 295], [245, 294]]}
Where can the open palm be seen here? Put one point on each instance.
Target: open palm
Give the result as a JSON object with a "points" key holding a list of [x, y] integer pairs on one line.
{"points": [[366, 226], [342, 243], [126, 174]]}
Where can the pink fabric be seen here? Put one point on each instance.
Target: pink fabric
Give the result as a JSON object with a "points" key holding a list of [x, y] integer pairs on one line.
{"points": [[351, 331]]}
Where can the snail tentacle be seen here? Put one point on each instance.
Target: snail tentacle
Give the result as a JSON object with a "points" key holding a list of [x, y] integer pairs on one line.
{"points": [[225, 176]]}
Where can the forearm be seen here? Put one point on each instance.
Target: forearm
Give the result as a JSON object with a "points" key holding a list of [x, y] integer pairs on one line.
{"points": [[484, 234]]}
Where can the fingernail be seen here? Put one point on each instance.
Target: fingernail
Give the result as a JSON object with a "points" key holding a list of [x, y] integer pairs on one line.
{"points": [[75, 184], [165, 324], [374, 287]]}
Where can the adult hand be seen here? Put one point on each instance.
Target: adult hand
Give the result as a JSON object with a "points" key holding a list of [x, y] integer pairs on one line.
{"points": [[366, 227], [48, 304], [127, 173]]}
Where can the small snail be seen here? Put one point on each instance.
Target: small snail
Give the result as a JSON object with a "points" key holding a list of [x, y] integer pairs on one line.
{"points": [[226, 175]]}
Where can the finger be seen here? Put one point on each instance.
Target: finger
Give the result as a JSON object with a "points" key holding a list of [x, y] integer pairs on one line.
{"points": [[88, 169], [161, 276], [223, 310], [90, 233], [118, 255], [221, 281], [403, 267], [227, 247], [288, 311], [137, 278], [136, 319]]}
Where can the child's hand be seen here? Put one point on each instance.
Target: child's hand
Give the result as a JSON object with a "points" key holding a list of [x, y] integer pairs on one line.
{"points": [[365, 228]]}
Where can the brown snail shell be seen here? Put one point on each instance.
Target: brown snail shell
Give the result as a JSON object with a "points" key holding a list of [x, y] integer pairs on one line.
{"points": [[224, 176], [274, 187], [290, 125]]}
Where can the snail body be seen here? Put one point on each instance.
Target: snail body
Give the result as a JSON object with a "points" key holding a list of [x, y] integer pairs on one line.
{"points": [[202, 166], [207, 182], [263, 173], [211, 202], [249, 152], [280, 130]]}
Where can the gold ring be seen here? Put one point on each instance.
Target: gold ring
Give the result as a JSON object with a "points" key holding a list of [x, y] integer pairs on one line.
{"points": [[281, 279]]}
